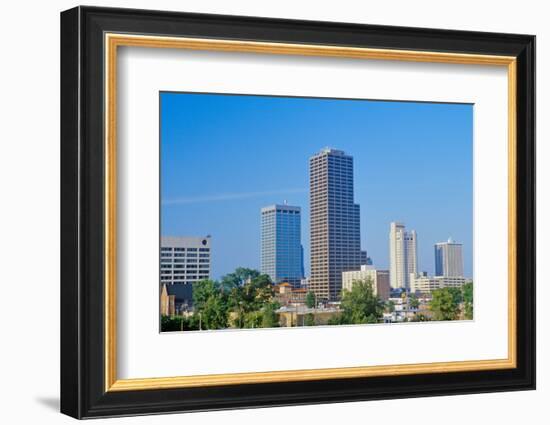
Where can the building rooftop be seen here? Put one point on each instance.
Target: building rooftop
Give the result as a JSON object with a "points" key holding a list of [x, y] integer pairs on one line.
{"points": [[182, 292], [332, 151], [185, 240], [450, 241], [284, 207]]}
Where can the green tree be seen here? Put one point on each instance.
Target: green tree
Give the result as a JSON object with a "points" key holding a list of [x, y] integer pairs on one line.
{"points": [[239, 277], [170, 323], [253, 295], [210, 304], [361, 305], [414, 303], [203, 290], [309, 320], [247, 291], [310, 299], [419, 317], [337, 319], [390, 306], [269, 317], [214, 314], [468, 297], [253, 319], [261, 291], [178, 323], [445, 304], [191, 323]]}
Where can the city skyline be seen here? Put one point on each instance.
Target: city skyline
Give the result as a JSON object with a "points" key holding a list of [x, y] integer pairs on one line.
{"points": [[185, 135]]}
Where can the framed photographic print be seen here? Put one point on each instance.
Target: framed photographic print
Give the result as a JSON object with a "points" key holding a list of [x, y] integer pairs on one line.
{"points": [[261, 212]]}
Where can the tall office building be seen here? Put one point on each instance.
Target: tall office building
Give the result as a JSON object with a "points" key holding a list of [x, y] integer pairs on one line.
{"points": [[334, 223], [282, 253], [448, 259], [184, 260], [403, 259]]}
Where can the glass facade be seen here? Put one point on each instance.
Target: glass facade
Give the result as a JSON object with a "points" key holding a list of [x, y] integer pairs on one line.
{"points": [[282, 254]]}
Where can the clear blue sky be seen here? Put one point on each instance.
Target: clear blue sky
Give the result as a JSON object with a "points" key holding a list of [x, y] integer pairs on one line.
{"points": [[223, 157]]}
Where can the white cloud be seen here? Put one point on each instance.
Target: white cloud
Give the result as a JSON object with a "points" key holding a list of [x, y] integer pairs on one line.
{"points": [[220, 197]]}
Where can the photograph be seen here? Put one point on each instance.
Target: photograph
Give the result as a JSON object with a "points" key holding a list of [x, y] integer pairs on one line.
{"points": [[283, 212], [286, 210]]}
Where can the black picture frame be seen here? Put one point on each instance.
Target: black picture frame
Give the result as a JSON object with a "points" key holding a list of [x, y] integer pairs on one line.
{"points": [[83, 392]]}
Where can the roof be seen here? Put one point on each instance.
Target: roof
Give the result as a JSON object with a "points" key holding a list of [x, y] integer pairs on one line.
{"points": [[183, 292]]}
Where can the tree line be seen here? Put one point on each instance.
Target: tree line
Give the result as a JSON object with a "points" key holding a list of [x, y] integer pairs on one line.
{"points": [[242, 299], [246, 299]]}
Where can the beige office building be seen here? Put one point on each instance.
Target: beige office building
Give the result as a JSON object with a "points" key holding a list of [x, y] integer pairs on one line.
{"points": [[380, 280], [422, 283]]}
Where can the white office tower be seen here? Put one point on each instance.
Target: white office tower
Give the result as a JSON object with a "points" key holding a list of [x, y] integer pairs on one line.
{"points": [[448, 259], [184, 259], [403, 258]]}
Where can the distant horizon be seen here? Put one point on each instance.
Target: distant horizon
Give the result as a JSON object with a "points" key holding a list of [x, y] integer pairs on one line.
{"points": [[224, 157]]}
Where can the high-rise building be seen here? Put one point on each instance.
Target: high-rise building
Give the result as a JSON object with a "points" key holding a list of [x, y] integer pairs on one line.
{"points": [[334, 222], [448, 259], [403, 259], [184, 259], [365, 259], [282, 253]]}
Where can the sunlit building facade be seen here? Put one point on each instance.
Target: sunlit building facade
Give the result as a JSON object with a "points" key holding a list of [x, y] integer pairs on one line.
{"points": [[282, 253], [334, 223]]}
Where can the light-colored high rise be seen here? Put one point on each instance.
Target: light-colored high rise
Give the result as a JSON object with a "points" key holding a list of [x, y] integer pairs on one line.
{"points": [[403, 258], [334, 222], [448, 259], [184, 259], [282, 253]]}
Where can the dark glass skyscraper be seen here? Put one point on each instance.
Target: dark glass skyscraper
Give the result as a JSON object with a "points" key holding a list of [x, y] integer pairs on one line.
{"points": [[334, 220]]}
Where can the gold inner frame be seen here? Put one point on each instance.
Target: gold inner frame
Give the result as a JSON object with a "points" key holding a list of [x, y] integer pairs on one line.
{"points": [[113, 41]]}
